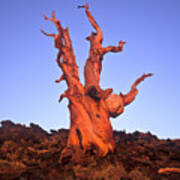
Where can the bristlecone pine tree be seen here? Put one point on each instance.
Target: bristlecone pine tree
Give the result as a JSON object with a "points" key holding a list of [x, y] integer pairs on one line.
{"points": [[90, 106]]}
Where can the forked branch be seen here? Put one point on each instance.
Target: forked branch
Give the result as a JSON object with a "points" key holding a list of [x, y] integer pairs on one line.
{"points": [[99, 34], [93, 67], [65, 58]]}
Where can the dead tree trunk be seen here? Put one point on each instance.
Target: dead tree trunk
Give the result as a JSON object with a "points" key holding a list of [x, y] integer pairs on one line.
{"points": [[90, 106]]}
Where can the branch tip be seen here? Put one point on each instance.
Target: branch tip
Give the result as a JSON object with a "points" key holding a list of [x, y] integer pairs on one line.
{"points": [[42, 31], [61, 97], [80, 6], [144, 76], [121, 43], [60, 79], [86, 6], [45, 17], [53, 14]]}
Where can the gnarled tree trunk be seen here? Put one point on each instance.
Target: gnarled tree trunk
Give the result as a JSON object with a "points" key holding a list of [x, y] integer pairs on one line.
{"points": [[90, 106]]}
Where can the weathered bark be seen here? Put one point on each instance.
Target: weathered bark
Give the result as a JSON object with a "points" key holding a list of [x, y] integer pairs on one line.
{"points": [[90, 107], [168, 170]]}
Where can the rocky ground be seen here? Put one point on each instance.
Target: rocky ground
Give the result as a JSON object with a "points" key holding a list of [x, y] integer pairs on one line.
{"points": [[30, 153]]}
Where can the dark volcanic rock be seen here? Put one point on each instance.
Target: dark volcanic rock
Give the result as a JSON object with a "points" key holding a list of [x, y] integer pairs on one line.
{"points": [[30, 153]]}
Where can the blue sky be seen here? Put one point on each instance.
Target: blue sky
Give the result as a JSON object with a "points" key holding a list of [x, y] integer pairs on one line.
{"points": [[151, 29]]}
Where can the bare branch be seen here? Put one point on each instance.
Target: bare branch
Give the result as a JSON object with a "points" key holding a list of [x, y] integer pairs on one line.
{"points": [[54, 20], [46, 34], [114, 48], [130, 96], [62, 77], [93, 66], [63, 96], [81, 6], [65, 58], [99, 36], [139, 80], [46, 18], [168, 170], [59, 37]]}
